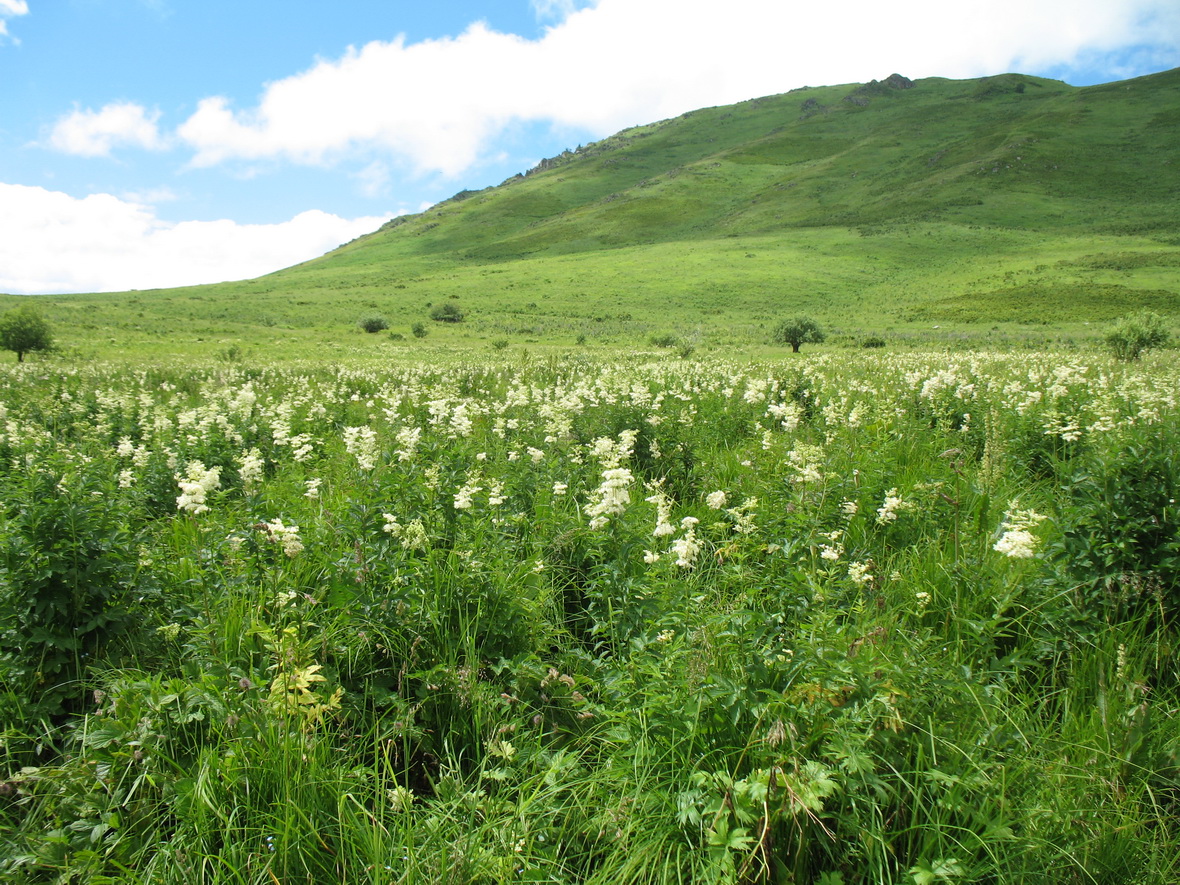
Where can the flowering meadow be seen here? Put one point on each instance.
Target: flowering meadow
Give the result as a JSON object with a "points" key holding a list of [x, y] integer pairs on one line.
{"points": [[845, 618]]}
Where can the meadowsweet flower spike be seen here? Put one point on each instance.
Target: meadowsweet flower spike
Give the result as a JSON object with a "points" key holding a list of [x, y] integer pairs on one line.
{"points": [[1016, 538], [195, 485]]}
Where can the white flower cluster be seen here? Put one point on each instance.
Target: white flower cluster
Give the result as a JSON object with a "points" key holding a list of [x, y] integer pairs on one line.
{"points": [[889, 509], [1016, 538], [687, 548], [659, 497], [286, 536], [195, 485], [250, 469], [611, 498], [361, 443], [407, 442]]}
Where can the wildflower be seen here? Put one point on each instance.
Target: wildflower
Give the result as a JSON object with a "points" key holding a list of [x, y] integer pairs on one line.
{"points": [[849, 509], [392, 527], [196, 484], [126, 479], [922, 598], [301, 447], [888, 510], [611, 497], [860, 572], [463, 497], [496, 494], [559, 489], [286, 536], [460, 421], [407, 442], [687, 548], [650, 558], [1016, 539], [313, 488], [663, 511], [535, 454], [414, 536], [361, 443], [716, 500], [250, 469], [805, 460]]}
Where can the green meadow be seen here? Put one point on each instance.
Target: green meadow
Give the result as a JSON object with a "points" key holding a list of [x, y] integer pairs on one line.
{"points": [[599, 583], [1011, 210]]}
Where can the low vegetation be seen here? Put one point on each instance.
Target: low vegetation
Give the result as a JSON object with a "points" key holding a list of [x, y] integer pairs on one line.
{"points": [[857, 618]]}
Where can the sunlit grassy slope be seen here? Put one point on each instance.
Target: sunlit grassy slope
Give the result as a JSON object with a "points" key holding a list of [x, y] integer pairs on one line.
{"points": [[1010, 207]]}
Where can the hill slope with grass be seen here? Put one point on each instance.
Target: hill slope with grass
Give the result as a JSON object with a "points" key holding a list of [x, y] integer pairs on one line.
{"points": [[999, 206]]}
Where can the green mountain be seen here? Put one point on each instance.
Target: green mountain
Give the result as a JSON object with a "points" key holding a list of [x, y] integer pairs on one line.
{"points": [[1009, 151], [989, 206]]}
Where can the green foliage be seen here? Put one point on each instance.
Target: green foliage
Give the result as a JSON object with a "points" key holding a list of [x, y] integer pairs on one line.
{"points": [[67, 585], [631, 620], [1134, 334], [1121, 544], [419, 330], [797, 331], [24, 330], [872, 342], [447, 313], [373, 323]]}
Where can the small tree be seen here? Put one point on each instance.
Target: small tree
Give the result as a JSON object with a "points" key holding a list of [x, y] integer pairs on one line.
{"points": [[24, 330], [1133, 334], [797, 331]]}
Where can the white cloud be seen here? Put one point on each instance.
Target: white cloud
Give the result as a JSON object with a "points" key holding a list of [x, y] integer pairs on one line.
{"points": [[550, 10], [53, 242], [8, 9], [90, 133], [438, 104], [374, 179]]}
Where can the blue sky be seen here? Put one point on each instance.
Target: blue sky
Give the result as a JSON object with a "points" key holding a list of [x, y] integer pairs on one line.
{"points": [[150, 143]]}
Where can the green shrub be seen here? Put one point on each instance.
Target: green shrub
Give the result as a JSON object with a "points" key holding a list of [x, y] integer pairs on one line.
{"points": [[418, 330], [1134, 334], [447, 313], [374, 323], [1121, 544], [873, 341]]}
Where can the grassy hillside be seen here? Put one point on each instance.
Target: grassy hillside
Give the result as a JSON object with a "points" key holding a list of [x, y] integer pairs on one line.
{"points": [[1009, 207]]}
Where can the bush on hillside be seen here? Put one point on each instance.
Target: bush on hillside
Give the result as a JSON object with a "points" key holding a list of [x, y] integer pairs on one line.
{"points": [[374, 323], [1134, 334], [447, 313]]}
